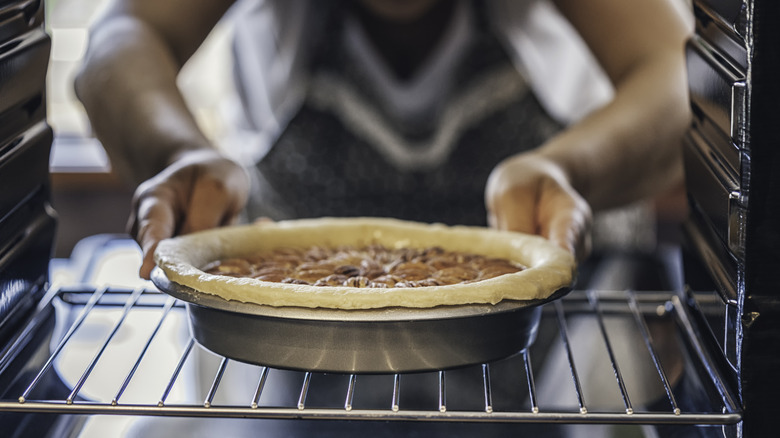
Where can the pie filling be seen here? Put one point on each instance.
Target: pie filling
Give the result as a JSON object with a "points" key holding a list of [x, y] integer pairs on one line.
{"points": [[373, 266]]}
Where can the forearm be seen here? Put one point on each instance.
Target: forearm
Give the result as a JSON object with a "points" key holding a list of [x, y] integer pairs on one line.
{"points": [[630, 148], [128, 88]]}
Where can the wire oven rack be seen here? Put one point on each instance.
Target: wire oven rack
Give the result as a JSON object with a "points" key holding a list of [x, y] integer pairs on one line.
{"points": [[127, 352]]}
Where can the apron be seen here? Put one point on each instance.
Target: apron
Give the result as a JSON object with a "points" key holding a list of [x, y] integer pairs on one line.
{"points": [[343, 154]]}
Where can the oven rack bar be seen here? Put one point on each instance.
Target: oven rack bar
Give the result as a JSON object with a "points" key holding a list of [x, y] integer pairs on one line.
{"points": [[283, 413], [596, 305]]}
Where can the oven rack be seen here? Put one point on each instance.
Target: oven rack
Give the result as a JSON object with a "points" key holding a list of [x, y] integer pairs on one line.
{"points": [[599, 309]]}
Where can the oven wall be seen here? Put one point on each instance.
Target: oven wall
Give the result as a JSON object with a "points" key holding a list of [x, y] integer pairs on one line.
{"points": [[27, 223], [732, 154]]}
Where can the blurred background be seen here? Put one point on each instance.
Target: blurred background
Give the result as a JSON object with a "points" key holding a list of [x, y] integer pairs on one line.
{"points": [[89, 198]]}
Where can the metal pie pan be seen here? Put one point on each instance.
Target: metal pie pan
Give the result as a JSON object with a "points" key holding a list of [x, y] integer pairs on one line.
{"points": [[390, 340]]}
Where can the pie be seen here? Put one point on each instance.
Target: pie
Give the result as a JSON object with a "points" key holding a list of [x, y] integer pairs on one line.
{"points": [[365, 263], [370, 266]]}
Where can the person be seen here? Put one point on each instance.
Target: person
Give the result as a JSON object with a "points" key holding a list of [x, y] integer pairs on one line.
{"points": [[478, 112]]}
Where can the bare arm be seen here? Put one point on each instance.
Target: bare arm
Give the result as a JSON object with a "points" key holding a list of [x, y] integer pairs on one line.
{"points": [[128, 87], [632, 144], [128, 81], [623, 152]]}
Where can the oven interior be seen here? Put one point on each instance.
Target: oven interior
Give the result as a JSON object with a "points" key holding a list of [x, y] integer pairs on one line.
{"points": [[680, 341], [611, 358]]}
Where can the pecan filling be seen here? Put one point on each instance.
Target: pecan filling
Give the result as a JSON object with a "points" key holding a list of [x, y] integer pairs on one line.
{"points": [[371, 266]]}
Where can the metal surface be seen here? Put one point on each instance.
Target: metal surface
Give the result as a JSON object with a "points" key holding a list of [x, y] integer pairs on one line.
{"points": [[358, 341], [23, 64], [730, 14], [26, 239], [27, 224], [717, 87], [715, 192], [24, 166], [508, 391]]}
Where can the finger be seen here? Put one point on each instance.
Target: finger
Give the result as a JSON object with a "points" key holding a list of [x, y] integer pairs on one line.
{"points": [[233, 212], [232, 217], [573, 237], [564, 231], [147, 263], [511, 201], [516, 211], [210, 205], [566, 221], [155, 221]]}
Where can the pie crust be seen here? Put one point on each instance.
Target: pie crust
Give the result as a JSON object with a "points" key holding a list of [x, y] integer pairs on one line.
{"points": [[548, 267]]}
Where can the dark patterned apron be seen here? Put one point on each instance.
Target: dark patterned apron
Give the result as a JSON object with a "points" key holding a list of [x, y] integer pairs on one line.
{"points": [[327, 161]]}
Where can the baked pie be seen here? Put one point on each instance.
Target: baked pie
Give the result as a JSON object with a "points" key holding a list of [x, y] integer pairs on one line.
{"points": [[365, 263]]}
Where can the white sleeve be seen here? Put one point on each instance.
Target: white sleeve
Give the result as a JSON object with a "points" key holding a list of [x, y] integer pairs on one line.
{"points": [[269, 60], [547, 49]]}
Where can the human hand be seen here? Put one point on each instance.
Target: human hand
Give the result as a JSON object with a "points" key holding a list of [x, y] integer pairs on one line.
{"points": [[532, 194], [200, 190]]}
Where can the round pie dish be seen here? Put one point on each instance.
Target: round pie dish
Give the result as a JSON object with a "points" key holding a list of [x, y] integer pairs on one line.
{"points": [[547, 267], [362, 330]]}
